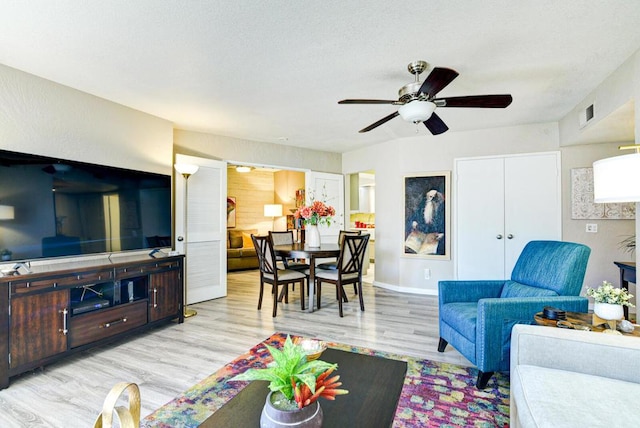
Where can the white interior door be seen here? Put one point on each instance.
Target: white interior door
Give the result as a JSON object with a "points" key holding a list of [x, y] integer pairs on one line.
{"points": [[532, 190], [328, 188], [205, 230], [501, 204], [479, 218]]}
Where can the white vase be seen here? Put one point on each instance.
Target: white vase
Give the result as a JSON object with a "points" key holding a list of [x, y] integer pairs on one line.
{"points": [[608, 311], [312, 236]]}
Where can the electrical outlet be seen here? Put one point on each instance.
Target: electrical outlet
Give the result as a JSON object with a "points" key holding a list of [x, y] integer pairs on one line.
{"points": [[427, 273], [592, 228]]}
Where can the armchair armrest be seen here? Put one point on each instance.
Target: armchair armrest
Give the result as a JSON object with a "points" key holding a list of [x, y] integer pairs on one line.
{"points": [[496, 318], [468, 291], [616, 357]]}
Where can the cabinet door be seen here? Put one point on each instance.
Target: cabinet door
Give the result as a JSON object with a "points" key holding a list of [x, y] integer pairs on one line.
{"points": [[479, 218], [38, 326], [164, 295]]}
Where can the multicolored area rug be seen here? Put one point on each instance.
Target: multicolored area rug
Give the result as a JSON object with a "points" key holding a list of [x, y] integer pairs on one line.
{"points": [[434, 394]]}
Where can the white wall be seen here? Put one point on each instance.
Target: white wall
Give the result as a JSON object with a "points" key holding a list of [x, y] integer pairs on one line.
{"points": [[255, 153], [42, 117], [392, 160]]}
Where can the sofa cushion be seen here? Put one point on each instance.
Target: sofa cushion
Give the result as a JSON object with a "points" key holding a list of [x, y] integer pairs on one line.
{"points": [[515, 289], [546, 397], [246, 238], [239, 238]]}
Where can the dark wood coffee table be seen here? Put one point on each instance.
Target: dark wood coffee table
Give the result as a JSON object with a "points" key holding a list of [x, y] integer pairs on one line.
{"points": [[374, 385]]}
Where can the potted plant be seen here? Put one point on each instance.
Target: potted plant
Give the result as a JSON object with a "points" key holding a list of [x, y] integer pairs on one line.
{"points": [[609, 301], [628, 244], [296, 381], [5, 254], [314, 215]]}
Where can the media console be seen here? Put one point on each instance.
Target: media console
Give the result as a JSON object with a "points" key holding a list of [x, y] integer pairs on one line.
{"points": [[52, 312]]}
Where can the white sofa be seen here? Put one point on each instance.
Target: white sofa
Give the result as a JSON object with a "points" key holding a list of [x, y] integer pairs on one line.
{"points": [[568, 378]]}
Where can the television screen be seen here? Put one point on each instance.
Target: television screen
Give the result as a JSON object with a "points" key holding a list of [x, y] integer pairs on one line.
{"points": [[56, 207]]}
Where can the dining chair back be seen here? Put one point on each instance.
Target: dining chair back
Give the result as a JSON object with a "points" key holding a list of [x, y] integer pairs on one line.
{"points": [[349, 269], [333, 265], [286, 238], [270, 274]]}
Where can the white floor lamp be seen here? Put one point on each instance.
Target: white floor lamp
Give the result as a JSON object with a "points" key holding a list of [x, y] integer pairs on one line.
{"points": [[187, 170], [273, 211]]}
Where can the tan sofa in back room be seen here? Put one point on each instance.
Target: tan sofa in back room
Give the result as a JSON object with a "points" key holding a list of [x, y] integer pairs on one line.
{"points": [[240, 251]]}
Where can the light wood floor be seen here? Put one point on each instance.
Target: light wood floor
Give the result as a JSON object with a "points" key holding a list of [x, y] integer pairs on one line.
{"points": [[168, 360]]}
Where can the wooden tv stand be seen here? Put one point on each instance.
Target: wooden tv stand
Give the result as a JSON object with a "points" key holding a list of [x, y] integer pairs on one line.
{"points": [[55, 311]]}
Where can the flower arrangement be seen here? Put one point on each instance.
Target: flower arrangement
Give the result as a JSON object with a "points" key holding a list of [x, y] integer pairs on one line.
{"points": [[607, 293], [299, 380], [315, 214]]}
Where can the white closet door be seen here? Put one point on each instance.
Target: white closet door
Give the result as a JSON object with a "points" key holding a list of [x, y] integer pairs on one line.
{"points": [[532, 191], [479, 219], [500, 205], [328, 188], [205, 236]]}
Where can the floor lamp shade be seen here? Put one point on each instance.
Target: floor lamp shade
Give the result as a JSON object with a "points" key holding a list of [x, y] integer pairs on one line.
{"points": [[7, 212], [617, 179], [273, 210]]}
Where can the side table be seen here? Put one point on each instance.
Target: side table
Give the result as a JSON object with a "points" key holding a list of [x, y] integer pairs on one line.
{"points": [[627, 275]]}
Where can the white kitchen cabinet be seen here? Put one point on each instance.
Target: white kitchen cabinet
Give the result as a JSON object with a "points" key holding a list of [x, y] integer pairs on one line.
{"points": [[502, 203]]}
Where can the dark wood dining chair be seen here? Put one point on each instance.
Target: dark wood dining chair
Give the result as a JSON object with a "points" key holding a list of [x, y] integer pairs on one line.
{"points": [[286, 238], [350, 262], [270, 274], [334, 264]]}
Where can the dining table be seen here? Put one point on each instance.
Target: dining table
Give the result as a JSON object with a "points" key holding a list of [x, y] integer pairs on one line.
{"points": [[299, 250]]}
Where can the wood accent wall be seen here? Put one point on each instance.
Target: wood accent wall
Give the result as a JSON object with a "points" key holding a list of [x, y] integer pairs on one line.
{"points": [[254, 189]]}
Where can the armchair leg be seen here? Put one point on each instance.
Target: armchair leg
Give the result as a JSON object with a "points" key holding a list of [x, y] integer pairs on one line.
{"points": [[483, 379], [442, 344]]}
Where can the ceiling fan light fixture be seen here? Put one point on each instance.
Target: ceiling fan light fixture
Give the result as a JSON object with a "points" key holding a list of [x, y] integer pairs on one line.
{"points": [[417, 111]]}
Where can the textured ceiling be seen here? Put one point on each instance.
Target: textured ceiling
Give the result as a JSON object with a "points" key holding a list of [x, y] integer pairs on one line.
{"points": [[274, 70]]}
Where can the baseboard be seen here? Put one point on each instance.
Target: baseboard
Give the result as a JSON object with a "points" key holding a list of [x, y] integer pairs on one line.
{"points": [[408, 290]]}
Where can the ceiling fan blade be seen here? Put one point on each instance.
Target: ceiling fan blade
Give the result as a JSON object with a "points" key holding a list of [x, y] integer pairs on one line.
{"points": [[380, 122], [437, 80], [482, 101], [367, 101], [435, 124]]}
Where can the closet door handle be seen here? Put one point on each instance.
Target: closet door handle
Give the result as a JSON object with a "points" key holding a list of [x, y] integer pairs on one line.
{"points": [[509, 236], [499, 237]]}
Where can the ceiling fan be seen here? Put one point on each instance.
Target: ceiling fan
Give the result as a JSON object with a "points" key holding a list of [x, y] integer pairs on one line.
{"points": [[418, 101]]}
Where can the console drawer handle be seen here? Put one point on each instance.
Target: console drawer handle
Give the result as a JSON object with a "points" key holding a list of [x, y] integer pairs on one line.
{"points": [[112, 323], [64, 330]]}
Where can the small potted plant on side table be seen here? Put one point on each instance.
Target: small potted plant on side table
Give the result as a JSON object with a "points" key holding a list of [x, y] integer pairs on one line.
{"points": [[609, 302], [297, 379]]}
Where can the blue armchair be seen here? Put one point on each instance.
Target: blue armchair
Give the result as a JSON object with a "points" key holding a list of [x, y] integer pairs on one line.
{"points": [[476, 317]]}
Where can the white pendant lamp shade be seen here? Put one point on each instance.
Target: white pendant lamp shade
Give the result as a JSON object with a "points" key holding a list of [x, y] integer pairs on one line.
{"points": [[617, 179], [417, 111]]}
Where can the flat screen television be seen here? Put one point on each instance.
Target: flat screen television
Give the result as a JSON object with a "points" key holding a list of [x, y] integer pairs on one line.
{"points": [[69, 208]]}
